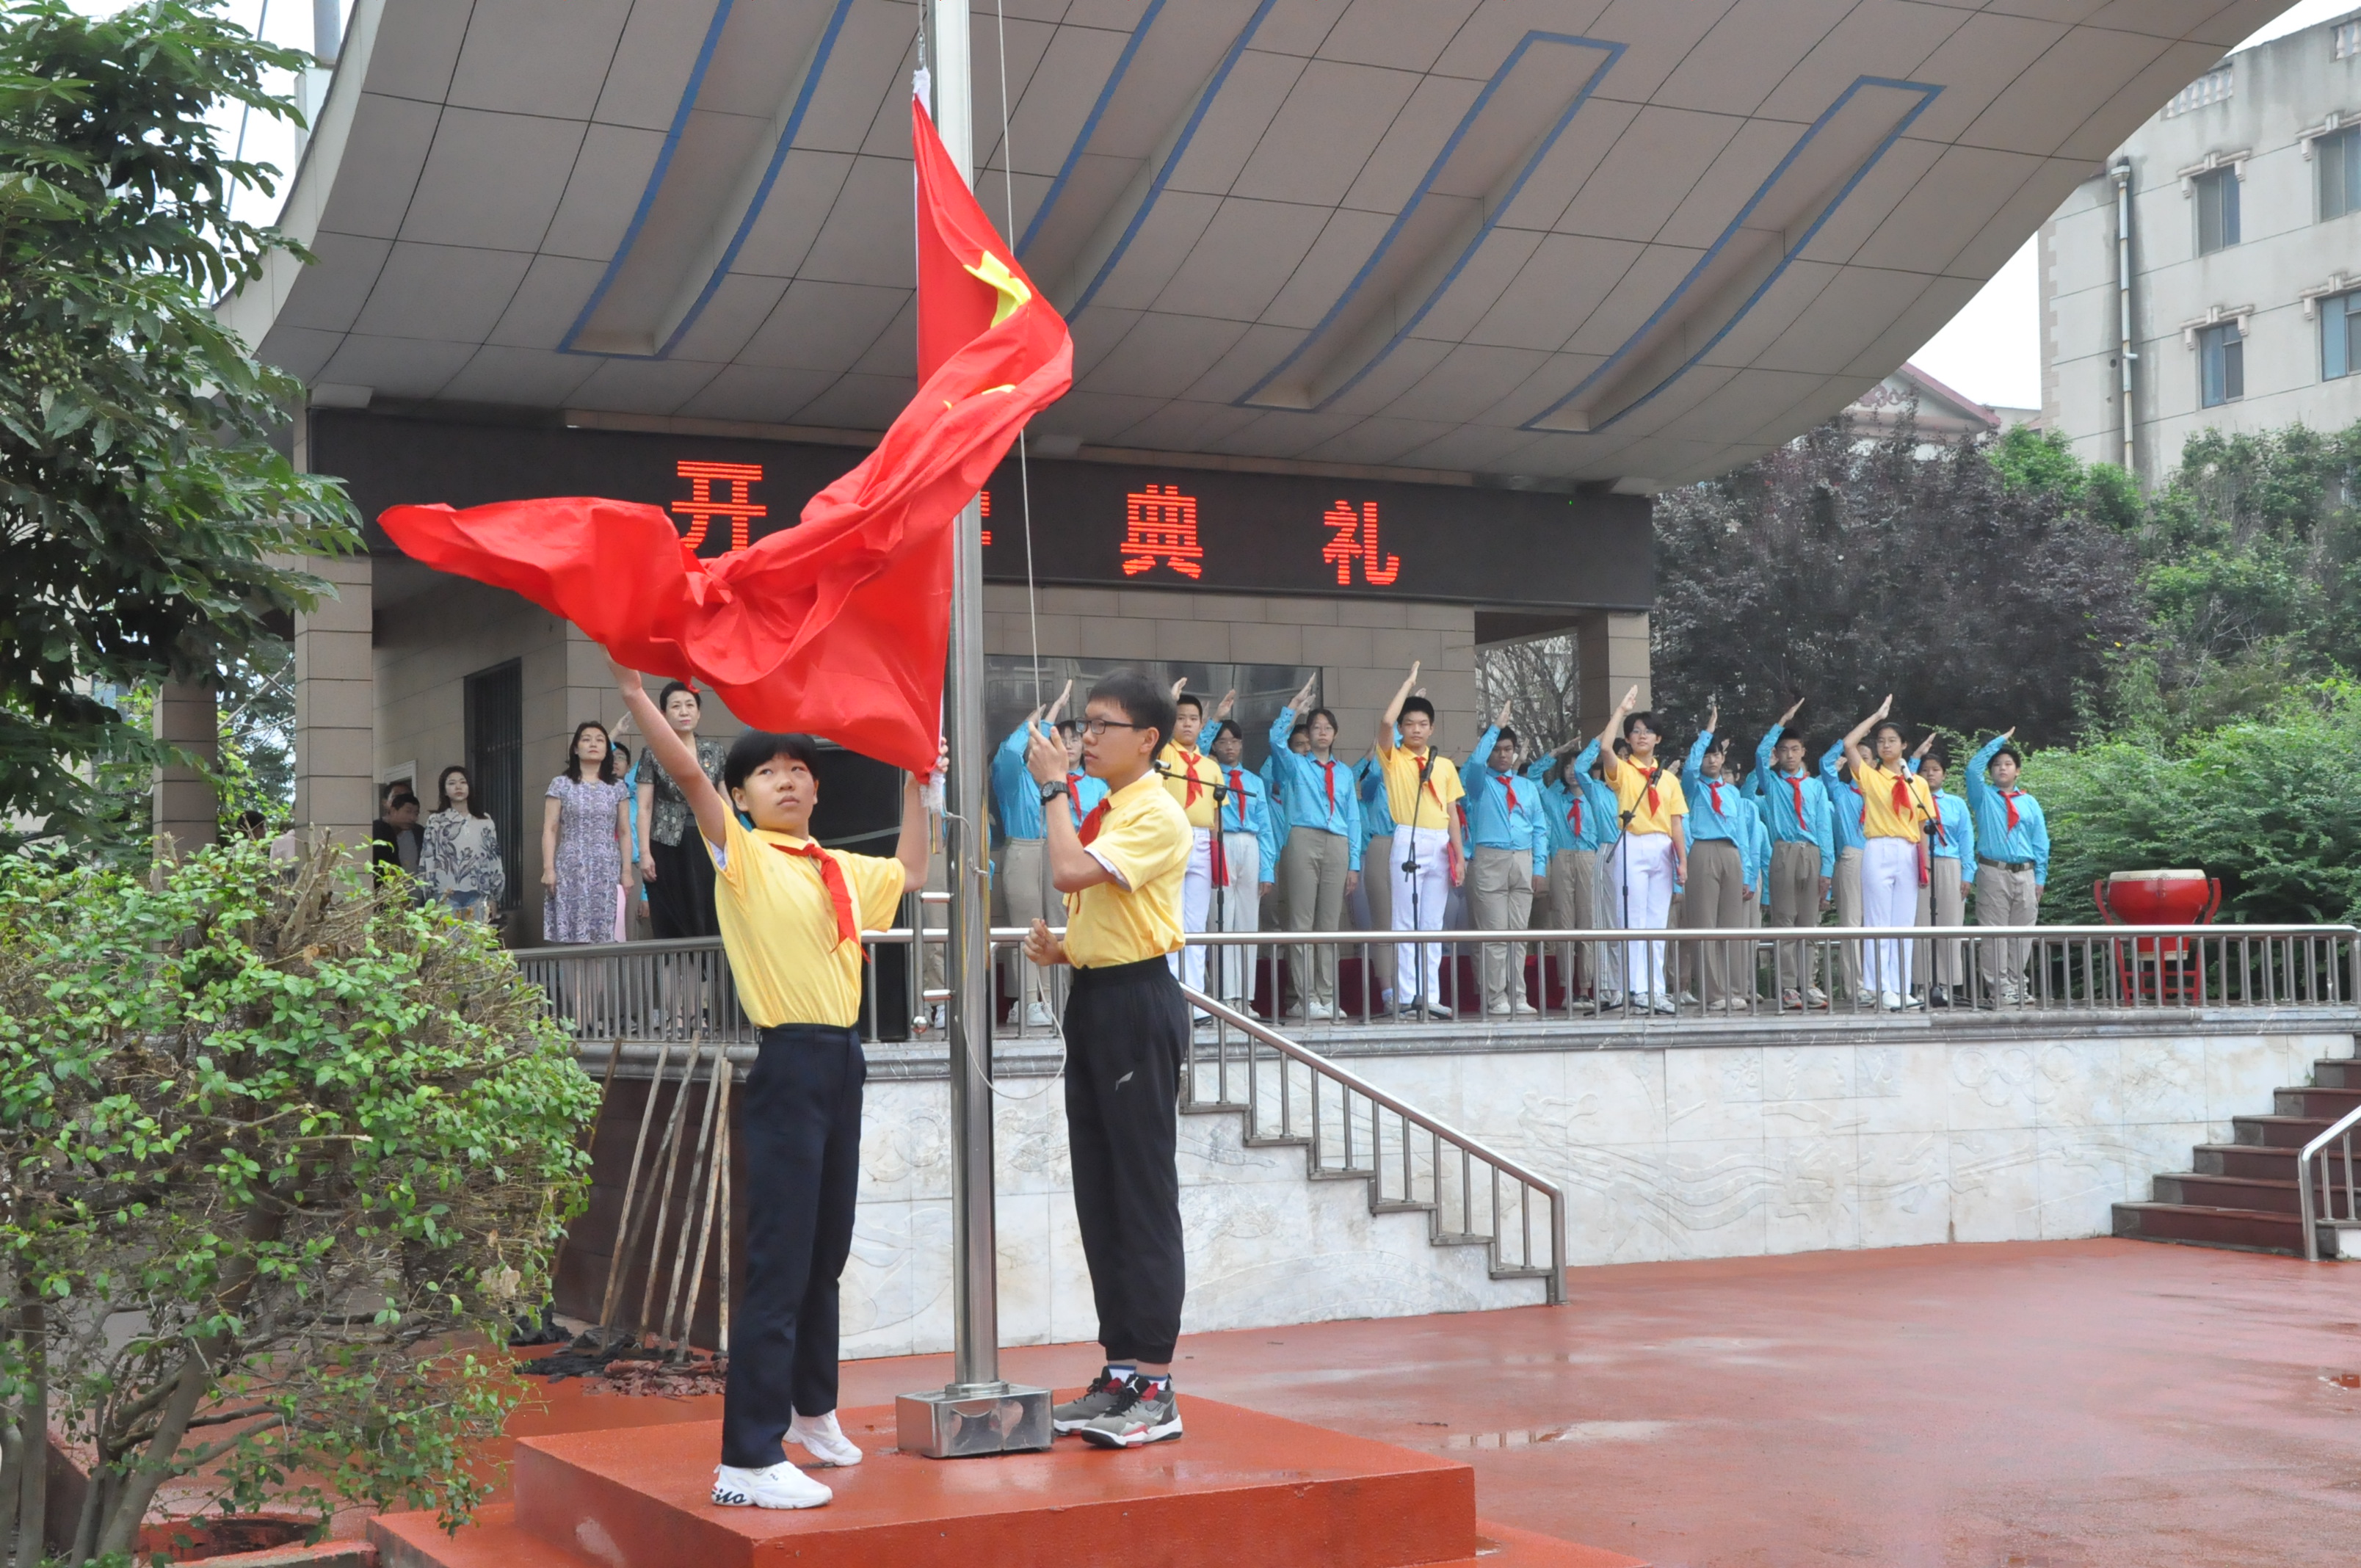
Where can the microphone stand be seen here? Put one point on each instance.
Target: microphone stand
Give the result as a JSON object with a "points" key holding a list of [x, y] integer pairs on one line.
{"points": [[1222, 793]]}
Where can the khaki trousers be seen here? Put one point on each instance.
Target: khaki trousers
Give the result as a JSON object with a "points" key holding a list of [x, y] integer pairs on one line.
{"points": [[2004, 897], [1574, 906], [1942, 902], [1794, 884], [1019, 885], [1377, 884], [1500, 898], [1311, 871], [1714, 899], [1849, 913]]}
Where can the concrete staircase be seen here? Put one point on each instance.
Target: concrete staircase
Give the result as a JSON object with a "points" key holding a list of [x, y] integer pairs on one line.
{"points": [[2242, 1194]]}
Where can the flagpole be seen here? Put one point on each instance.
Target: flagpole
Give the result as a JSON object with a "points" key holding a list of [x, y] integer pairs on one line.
{"points": [[977, 1412]]}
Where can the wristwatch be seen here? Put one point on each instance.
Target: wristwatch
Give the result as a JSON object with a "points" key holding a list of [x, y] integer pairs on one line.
{"points": [[1052, 790]]}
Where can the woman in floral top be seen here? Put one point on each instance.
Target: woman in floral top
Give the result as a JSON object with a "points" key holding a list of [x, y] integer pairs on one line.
{"points": [[460, 862], [674, 868], [582, 834]]}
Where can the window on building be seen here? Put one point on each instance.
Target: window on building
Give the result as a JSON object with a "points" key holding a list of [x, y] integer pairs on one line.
{"points": [[2213, 87], [2338, 156], [2340, 336], [494, 718], [2222, 365], [2217, 210], [2348, 40]]}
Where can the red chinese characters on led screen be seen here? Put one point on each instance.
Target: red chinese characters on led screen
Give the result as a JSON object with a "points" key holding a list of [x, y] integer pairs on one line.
{"points": [[1159, 523], [1355, 539], [703, 506]]}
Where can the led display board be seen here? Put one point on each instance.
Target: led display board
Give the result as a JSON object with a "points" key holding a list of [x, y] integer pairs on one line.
{"points": [[1141, 525]]}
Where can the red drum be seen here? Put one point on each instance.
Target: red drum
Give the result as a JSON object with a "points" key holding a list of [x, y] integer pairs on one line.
{"points": [[2162, 969]]}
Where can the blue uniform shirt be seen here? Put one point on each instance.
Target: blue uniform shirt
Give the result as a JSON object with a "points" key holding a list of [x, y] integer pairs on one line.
{"points": [[1844, 800], [1957, 842], [1600, 825], [1376, 811], [1245, 809], [2029, 840], [1016, 796], [1706, 819], [1777, 795], [1302, 792], [1492, 822]]}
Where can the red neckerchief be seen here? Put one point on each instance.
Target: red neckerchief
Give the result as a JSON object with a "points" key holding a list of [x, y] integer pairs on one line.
{"points": [[1509, 783], [1797, 784], [1713, 788], [2008, 798], [1902, 795], [831, 876], [1329, 768], [1574, 815], [1653, 774], [1090, 829], [1196, 786], [1419, 758]]}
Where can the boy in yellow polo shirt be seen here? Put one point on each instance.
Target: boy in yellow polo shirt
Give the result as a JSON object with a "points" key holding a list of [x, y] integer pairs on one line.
{"points": [[1651, 857], [791, 915], [1428, 856], [1192, 777], [1126, 1041]]}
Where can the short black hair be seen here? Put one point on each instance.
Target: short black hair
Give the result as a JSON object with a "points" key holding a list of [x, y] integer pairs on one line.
{"points": [[1226, 727], [1068, 726], [2011, 753], [1507, 733], [1798, 737], [1416, 705], [1142, 701], [1305, 723], [664, 698], [1883, 725], [1301, 726], [1187, 700], [755, 748], [1646, 716], [399, 799]]}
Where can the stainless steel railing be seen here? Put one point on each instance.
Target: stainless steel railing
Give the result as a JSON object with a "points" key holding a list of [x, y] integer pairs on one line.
{"points": [[1348, 1127], [2327, 1210], [678, 991]]}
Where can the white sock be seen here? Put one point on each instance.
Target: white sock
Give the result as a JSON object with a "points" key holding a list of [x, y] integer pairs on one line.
{"points": [[1121, 1374]]}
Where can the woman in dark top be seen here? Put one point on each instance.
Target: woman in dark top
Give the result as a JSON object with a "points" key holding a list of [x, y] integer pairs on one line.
{"points": [[675, 870]]}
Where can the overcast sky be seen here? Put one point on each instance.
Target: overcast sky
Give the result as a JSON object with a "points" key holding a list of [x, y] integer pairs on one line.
{"points": [[1992, 349]]}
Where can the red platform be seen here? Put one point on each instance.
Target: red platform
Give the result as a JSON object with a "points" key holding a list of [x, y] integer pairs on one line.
{"points": [[1242, 1490]]}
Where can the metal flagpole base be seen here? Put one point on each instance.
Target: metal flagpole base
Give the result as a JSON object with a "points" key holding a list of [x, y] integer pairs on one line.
{"points": [[965, 1421]]}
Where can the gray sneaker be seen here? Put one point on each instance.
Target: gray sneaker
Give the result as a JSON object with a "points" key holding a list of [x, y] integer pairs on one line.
{"points": [[1142, 1414], [1097, 1399]]}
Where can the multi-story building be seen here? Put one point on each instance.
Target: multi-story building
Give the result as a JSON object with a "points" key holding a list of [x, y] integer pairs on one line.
{"points": [[2209, 273]]}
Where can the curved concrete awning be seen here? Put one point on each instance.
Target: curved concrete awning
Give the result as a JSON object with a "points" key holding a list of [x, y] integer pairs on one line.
{"points": [[1637, 241]]}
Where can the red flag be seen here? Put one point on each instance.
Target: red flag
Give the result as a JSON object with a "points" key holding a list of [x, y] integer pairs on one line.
{"points": [[838, 626]]}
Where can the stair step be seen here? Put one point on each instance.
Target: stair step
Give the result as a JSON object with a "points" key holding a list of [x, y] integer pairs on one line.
{"points": [[2337, 1072], [2331, 1102], [2204, 1225], [1400, 1206], [1278, 1141], [1459, 1238], [2201, 1190], [1522, 1271], [2272, 1163], [2278, 1132]]}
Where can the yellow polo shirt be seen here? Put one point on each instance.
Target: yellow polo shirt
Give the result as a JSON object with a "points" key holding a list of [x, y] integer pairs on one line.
{"points": [[1144, 840], [1632, 797], [1880, 820], [778, 925], [1208, 773], [1412, 806]]}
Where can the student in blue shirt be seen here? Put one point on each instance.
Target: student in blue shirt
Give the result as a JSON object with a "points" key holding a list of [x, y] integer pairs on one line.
{"points": [[2012, 864], [1803, 854], [1016, 806], [1845, 812], [1942, 898], [1508, 840], [1714, 896], [1377, 852], [1319, 808], [1248, 862], [1580, 813]]}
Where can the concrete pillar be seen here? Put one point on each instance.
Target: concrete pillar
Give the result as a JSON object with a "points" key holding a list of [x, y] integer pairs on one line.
{"points": [[186, 806], [336, 707], [1613, 648]]}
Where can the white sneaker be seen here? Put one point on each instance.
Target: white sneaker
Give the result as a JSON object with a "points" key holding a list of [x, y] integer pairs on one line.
{"points": [[824, 1439], [1890, 1001], [1318, 1010], [782, 1485], [1864, 997], [1816, 997], [1497, 1010], [1519, 1006], [1038, 1016], [1662, 1003]]}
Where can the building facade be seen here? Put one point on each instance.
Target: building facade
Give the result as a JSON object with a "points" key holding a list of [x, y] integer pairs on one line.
{"points": [[2208, 274]]}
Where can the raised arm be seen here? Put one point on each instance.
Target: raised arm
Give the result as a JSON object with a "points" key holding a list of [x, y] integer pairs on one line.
{"points": [[679, 760], [1072, 867], [1862, 762], [1606, 741], [1694, 769], [1979, 787], [1393, 712], [911, 847], [1770, 742]]}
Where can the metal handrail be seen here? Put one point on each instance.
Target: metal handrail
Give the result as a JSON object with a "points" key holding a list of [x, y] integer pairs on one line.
{"points": [[1441, 1132], [2340, 1130]]}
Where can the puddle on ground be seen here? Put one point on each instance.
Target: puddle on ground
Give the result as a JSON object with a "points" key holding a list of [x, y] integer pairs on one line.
{"points": [[1572, 1431]]}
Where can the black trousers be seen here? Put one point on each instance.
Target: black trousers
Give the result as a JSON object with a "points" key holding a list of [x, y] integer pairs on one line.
{"points": [[1126, 1033], [801, 1133], [680, 901]]}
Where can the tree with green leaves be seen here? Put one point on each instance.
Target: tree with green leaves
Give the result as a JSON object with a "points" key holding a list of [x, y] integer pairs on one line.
{"points": [[147, 522], [276, 1147]]}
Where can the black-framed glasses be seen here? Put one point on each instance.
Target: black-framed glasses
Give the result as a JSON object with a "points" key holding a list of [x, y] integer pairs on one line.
{"points": [[1094, 728]]}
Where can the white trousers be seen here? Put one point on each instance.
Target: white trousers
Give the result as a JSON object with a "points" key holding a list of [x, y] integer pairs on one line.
{"points": [[1239, 908], [1420, 896], [1196, 898], [1889, 896], [1642, 888]]}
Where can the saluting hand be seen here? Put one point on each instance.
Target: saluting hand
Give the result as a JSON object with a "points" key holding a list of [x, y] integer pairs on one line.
{"points": [[1789, 717], [1630, 704], [1713, 717], [1501, 722], [1924, 747], [1229, 700]]}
